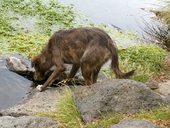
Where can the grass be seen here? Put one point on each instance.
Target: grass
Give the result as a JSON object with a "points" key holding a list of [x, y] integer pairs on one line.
{"points": [[67, 113], [69, 117], [159, 33], [17, 37], [146, 59], [28, 24], [163, 13]]}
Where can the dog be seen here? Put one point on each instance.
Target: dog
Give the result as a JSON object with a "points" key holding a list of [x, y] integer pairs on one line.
{"points": [[85, 48]]}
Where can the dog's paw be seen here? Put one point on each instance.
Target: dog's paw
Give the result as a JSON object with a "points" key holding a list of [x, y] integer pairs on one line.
{"points": [[39, 88]]}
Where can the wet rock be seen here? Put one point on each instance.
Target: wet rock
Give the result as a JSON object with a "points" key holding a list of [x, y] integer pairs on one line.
{"points": [[20, 65], [135, 123], [116, 96], [13, 87], [27, 122]]}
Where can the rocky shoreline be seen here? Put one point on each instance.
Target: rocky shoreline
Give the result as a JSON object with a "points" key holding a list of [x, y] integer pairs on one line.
{"points": [[108, 95]]}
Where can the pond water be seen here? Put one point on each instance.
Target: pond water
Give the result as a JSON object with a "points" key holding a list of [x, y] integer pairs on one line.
{"points": [[13, 87], [125, 14]]}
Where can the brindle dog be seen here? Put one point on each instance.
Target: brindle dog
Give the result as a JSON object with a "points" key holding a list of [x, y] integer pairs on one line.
{"points": [[88, 48]]}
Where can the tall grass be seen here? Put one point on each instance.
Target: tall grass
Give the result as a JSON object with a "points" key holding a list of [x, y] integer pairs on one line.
{"points": [[160, 32]]}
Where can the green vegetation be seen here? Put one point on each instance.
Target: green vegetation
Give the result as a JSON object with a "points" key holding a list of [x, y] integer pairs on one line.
{"points": [[17, 16], [159, 32], [69, 117], [164, 13], [26, 25], [146, 59]]}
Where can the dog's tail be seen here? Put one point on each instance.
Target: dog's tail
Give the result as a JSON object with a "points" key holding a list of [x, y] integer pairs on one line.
{"points": [[115, 62]]}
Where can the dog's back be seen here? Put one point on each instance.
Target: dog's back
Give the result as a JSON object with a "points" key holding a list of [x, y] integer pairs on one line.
{"points": [[72, 44]]}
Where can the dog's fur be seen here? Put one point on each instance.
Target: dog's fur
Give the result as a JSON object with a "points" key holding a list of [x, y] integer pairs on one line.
{"points": [[88, 48]]}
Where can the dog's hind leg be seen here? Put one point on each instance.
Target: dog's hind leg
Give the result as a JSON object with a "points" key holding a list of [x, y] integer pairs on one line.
{"points": [[95, 73], [87, 73], [74, 70]]}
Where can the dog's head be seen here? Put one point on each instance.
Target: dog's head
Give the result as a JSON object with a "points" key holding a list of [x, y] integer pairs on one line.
{"points": [[39, 64]]}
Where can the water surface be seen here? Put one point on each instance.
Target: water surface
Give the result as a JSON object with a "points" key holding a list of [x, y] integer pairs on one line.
{"points": [[126, 14], [13, 87]]}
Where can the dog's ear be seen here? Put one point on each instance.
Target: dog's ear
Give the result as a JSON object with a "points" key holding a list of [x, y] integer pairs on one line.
{"points": [[38, 60], [35, 61]]}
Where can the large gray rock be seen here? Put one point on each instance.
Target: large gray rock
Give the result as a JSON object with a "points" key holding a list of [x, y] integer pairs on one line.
{"points": [[116, 96], [135, 123], [27, 122]]}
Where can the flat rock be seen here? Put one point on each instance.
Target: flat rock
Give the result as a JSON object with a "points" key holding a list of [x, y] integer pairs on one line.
{"points": [[116, 96], [135, 123], [27, 122], [35, 102]]}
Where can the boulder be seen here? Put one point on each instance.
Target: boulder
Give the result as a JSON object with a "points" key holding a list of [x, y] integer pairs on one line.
{"points": [[135, 123], [27, 122], [116, 96]]}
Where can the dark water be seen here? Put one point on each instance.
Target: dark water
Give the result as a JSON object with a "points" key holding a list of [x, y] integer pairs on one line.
{"points": [[125, 14], [13, 87]]}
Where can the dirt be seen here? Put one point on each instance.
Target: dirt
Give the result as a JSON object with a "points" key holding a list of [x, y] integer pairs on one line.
{"points": [[161, 82]]}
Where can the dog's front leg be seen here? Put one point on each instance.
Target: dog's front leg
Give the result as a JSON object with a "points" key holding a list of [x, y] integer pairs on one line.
{"points": [[52, 78]]}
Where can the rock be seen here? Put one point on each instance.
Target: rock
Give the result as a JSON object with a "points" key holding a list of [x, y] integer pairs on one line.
{"points": [[35, 102], [152, 84], [20, 65], [13, 87], [135, 123], [27, 122], [116, 96], [164, 88], [15, 64], [167, 99]]}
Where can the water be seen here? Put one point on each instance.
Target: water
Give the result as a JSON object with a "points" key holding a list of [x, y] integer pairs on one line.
{"points": [[125, 14], [13, 87]]}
